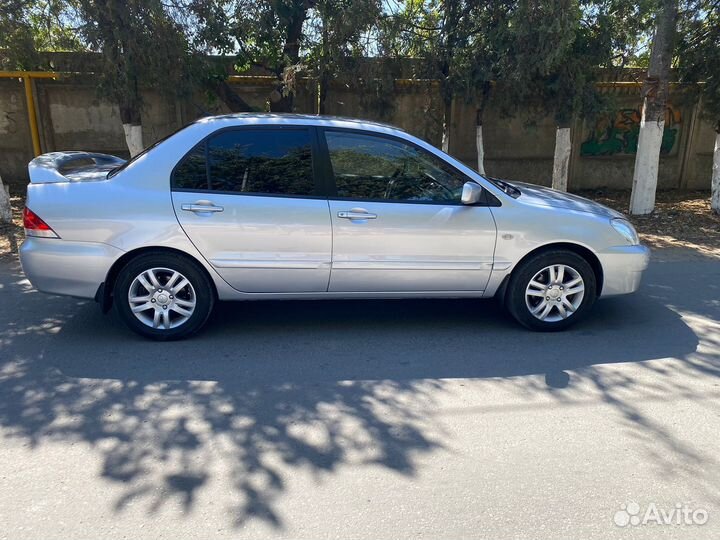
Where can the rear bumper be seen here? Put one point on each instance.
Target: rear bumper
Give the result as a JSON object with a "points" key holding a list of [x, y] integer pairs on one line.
{"points": [[69, 268], [622, 269]]}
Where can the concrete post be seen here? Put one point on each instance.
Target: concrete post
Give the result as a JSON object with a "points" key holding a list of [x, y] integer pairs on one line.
{"points": [[561, 160], [715, 195], [5, 208]]}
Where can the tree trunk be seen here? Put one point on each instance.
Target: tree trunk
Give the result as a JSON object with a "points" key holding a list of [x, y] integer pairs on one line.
{"points": [[480, 110], [324, 78], [132, 126], [447, 119], [655, 93], [5, 208], [715, 195], [323, 84], [282, 98], [561, 160], [480, 148], [133, 138]]}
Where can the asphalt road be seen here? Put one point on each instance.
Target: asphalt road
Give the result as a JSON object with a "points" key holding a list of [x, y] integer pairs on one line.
{"points": [[365, 419]]}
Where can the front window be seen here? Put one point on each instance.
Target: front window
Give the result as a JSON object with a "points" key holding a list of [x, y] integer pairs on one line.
{"points": [[377, 168]]}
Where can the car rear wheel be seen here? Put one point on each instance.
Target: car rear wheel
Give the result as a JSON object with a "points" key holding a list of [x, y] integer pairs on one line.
{"points": [[163, 296], [551, 290]]}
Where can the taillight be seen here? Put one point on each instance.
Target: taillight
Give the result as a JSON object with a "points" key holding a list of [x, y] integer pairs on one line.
{"points": [[35, 226]]}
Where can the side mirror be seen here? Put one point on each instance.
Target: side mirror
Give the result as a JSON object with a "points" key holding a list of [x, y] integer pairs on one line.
{"points": [[471, 193]]}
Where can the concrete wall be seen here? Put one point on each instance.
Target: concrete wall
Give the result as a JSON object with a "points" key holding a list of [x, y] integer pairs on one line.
{"points": [[517, 150], [416, 108], [699, 154], [15, 141], [514, 149], [72, 117]]}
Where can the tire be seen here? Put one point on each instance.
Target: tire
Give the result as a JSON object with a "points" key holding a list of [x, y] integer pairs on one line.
{"points": [[567, 304], [173, 282]]}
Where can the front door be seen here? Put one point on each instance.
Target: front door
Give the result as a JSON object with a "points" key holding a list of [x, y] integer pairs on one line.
{"points": [[398, 223], [247, 199]]}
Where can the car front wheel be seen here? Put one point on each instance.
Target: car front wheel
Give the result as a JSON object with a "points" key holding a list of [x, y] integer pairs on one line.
{"points": [[551, 290], [163, 296]]}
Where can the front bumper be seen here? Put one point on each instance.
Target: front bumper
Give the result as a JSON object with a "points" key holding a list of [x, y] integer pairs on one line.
{"points": [[69, 268], [622, 269]]}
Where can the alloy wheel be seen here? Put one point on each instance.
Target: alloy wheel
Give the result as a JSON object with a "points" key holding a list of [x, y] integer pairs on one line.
{"points": [[555, 293], [162, 298]]}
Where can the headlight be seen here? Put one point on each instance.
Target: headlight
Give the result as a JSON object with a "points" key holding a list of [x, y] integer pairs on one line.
{"points": [[625, 228]]}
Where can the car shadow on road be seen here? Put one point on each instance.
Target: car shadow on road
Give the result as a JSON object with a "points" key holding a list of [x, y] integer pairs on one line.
{"points": [[395, 339], [316, 386]]}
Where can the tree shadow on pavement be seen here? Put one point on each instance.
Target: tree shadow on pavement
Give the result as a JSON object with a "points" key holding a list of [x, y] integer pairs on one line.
{"points": [[315, 386]]}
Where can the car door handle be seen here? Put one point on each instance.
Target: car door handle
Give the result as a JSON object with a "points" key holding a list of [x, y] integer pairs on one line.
{"points": [[202, 207], [352, 214]]}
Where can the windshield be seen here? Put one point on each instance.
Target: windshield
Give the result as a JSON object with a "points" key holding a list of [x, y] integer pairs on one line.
{"points": [[116, 170]]}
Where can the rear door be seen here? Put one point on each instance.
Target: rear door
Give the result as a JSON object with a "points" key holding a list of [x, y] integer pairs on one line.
{"points": [[398, 223], [248, 200]]}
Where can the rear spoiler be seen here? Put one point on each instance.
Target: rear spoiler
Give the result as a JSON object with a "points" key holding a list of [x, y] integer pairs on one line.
{"points": [[56, 166]]}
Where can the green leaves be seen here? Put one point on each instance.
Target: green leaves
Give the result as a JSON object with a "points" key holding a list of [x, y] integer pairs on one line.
{"points": [[545, 54], [29, 27], [558, 46], [698, 54]]}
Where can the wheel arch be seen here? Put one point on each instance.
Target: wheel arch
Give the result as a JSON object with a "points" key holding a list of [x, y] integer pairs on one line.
{"points": [[104, 292], [578, 249]]}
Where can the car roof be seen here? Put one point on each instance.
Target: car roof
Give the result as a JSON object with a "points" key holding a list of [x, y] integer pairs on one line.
{"points": [[304, 119]]}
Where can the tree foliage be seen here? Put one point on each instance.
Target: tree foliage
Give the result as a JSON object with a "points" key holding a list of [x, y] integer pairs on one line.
{"points": [[459, 42], [558, 46], [337, 38], [140, 46], [267, 34], [698, 54], [138, 41], [545, 54], [28, 27]]}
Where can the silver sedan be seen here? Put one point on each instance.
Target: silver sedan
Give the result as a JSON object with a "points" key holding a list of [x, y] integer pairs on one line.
{"points": [[262, 206]]}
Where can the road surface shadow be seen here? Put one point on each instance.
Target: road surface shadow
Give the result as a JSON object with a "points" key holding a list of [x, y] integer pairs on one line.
{"points": [[316, 385], [276, 342]]}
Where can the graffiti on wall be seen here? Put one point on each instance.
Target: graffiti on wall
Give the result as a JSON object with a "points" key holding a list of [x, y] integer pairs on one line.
{"points": [[618, 134]]}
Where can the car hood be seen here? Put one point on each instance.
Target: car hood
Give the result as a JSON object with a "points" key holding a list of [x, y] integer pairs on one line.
{"points": [[543, 196]]}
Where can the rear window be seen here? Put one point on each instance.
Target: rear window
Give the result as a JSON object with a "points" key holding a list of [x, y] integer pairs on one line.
{"points": [[263, 161], [191, 172]]}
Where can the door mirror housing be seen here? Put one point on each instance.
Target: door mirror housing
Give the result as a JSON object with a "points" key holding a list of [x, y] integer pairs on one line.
{"points": [[471, 193]]}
